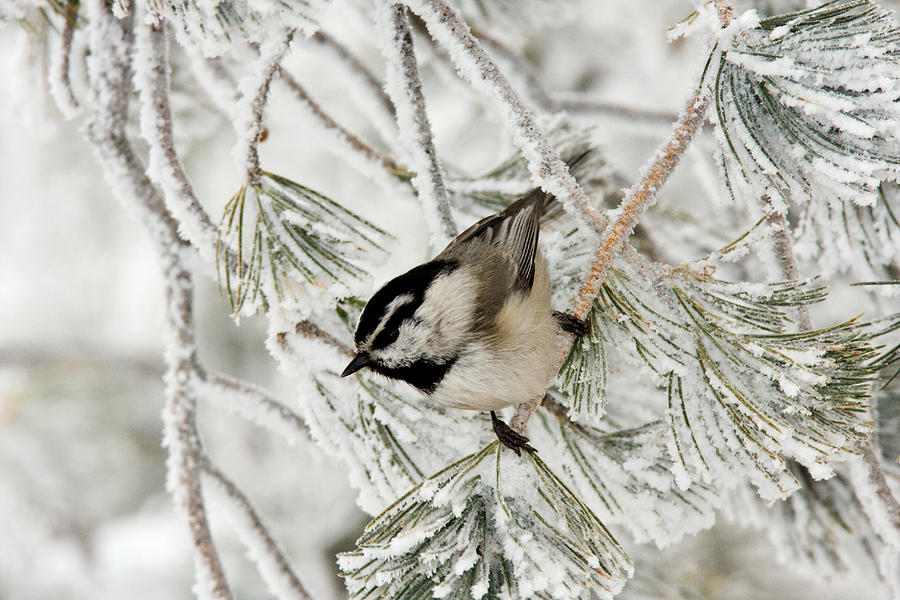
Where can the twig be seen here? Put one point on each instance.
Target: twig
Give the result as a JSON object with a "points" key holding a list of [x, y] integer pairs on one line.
{"points": [[252, 403], [273, 566], [216, 81], [353, 143], [516, 68], [637, 199], [109, 72], [60, 82], [254, 90], [405, 90], [885, 519], [165, 168], [547, 169], [726, 12], [381, 111], [313, 331]]}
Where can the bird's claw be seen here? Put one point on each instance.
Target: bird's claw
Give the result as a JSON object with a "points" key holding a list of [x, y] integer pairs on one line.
{"points": [[509, 437], [571, 324]]}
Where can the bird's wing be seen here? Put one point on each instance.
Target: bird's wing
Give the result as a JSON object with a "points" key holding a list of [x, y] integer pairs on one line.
{"points": [[513, 231]]}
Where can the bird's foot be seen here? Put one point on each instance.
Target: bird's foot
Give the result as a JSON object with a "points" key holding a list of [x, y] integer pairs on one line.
{"points": [[509, 437], [571, 324]]}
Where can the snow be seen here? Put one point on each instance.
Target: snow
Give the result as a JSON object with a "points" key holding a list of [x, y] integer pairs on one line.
{"points": [[688, 405]]}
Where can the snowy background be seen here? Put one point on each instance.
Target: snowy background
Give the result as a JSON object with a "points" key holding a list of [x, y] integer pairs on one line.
{"points": [[83, 507]]}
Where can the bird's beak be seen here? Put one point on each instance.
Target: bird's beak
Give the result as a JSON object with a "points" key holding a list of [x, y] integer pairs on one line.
{"points": [[359, 361]]}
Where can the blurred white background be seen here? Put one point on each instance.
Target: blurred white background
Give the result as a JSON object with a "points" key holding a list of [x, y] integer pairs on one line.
{"points": [[83, 508]]}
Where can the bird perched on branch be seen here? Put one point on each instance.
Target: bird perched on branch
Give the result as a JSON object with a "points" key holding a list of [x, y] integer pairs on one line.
{"points": [[472, 328]]}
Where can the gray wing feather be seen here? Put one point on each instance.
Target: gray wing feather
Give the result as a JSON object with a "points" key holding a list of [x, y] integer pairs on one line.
{"points": [[513, 231]]}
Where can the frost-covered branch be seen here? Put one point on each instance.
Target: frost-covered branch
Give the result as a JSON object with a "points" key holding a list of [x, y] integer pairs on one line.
{"points": [[636, 200], [346, 144], [165, 168], [109, 74], [313, 331], [273, 566], [520, 72], [253, 403], [726, 12], [254, 90], [405, 89], [60, 81], [380, 110], [547, 169]]}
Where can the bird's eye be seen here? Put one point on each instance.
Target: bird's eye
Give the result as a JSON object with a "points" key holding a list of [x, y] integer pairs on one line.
{"points": [[391, 336]]}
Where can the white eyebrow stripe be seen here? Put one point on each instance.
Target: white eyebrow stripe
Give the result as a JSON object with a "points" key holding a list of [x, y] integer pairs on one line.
{"points": [[396, 303]]}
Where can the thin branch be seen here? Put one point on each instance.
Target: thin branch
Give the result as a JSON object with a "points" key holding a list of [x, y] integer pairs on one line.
{"points": [[726, 12], [273, 566], [254, 91], [165, 168], [60, 82], [547, 169], [517, 69], [405, 89], [313, 331], [881, 508], [253, 403], [214, 79], [381, 111], [636, 200], [109, 71], [345, 138]]}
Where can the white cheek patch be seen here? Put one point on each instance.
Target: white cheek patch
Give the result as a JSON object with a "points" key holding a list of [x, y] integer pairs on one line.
{"points": [[446, 314]]}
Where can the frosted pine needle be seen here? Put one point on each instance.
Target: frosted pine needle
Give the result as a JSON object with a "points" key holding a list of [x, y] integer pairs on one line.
{"points": [[277, 238]]}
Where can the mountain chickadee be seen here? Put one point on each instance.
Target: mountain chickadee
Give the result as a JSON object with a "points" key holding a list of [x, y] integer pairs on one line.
{"points": [[472, 328]]}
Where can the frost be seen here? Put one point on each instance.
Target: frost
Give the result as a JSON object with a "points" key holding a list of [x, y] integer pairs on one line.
{"points": [[807, 113], [720, 348], [215, 27], [505, 542]]}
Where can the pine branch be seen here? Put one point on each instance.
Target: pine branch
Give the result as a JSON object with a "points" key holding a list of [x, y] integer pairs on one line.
{"points": [[109, 73], [489, 525], [405, 90], [300, 246], [547, 169], [806, 112], [217, 27], [381, 110], [519, 72], [344, 143], [882, 507], [313, 331], [254, 90], [165, 168], [252, 403], [637, 199], [59, 79], [626, 476], [273, 566]]}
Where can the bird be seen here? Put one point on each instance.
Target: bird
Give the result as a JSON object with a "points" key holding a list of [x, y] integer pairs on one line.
{"points": [[473, 327]]}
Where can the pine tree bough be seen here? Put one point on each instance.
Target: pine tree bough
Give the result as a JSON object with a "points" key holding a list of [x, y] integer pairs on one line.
{"points": [[254, 90], [60, 79], [405, 90], [273, 566], [109, 71], [152, 80], [637, 199], [474, 64]]}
